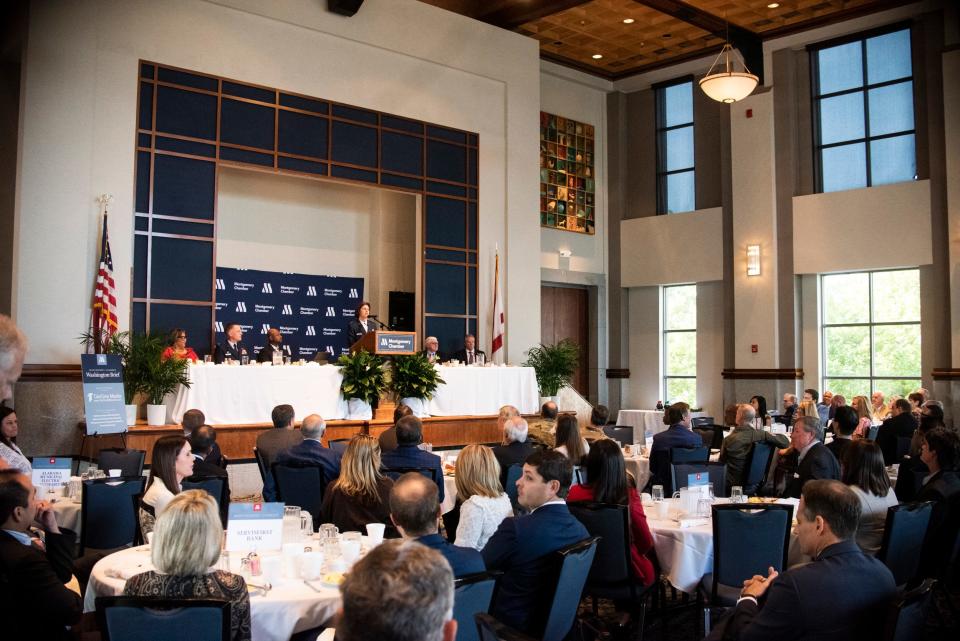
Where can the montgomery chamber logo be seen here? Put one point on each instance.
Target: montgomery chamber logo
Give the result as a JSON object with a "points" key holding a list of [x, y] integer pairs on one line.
{"points": [[331, 312], [218, 327], [265, 328], [311, 331], [287, 310], [241, 306], [329, 349], [311, 290], [221, 284], [266, 289], [353, 293]]}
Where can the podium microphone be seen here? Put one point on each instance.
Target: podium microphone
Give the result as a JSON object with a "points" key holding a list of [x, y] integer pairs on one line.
{"points": [[380, 322]]}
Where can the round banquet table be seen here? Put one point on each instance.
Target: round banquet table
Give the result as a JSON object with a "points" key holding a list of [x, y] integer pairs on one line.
{"points": [[68, 513], [291, 606], [639, 467]]}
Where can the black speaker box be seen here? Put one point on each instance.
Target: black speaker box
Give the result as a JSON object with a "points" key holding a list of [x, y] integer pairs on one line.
{"points": [[344, 7], [402, 311]]}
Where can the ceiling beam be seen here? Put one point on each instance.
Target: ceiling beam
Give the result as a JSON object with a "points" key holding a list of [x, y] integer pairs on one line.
{"points": [[510, 15], [748, 43]]}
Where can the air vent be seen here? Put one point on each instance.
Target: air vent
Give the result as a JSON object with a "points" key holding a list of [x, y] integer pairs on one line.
{"points": [[790, 14], [762, 23], [661, 51]]}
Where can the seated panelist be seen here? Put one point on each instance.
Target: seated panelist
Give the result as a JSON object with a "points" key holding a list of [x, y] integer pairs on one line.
{"points": [[177, 347], [232, 347], [274, 346]]}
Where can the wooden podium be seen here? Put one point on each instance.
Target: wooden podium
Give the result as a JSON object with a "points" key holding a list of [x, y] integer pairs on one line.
{"points": [[387, 343]]}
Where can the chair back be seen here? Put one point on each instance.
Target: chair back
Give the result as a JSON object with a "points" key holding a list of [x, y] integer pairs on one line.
{"points": [[301, 486], [872, 432], [748, 539], [907, 617], [108, 519], [215, 486], [623, 434], [339, 445], [701, 421], [514, 472], [611, 575], [472, 595], [397, 472], [129, 462], [903, 536], [261, 463], [758, 461], [689, 455], [717, 472], [575, 563], [126, 618]]}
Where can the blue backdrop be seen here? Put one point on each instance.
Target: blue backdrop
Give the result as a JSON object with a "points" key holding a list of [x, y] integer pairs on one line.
{"points": [[311, 312]]}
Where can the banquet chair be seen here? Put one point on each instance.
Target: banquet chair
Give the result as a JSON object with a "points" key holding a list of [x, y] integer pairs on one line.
{"points": [[747, 539], [611, 574], [129, 462], [623, 434], [909, 614], [338, 445], [514, 472], [758, 462], [903, 536], [261, 463], [689, 454], [127, 618], [472, 594], [701, 421], [107, 517], [215, 486], [717, 472], [872, 432], [301, 486]]}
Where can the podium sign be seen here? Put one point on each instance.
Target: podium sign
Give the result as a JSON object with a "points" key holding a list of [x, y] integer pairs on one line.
{"points": [[387, 343], [103, 403]]}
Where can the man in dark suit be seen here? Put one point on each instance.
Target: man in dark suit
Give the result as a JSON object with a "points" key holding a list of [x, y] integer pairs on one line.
{"points": [[802, 603], [272, 442], [516, 448], [202, 441], [940, 452], [388, 437], [522, 546], [845, 421], [408, 454], [362, 324], [814, 460], [469, 354], [274, 346], [232, 347], [679, 434], [431, 349], [310, 451], [415, 510], [192, 419], [33, 573], [901, 424]]}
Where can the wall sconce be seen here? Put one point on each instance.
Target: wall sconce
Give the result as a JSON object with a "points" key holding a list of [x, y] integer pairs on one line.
{"points": [[565, 253], [753, 260]]}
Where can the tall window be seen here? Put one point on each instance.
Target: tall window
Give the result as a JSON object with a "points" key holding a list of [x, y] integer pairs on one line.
{"points": [[863, 106], [871, 332], [680, 344], [675, 170]]}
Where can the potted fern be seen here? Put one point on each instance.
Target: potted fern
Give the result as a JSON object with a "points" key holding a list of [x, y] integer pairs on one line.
{"points": [[554, 366], [158, 377], [363, 382], [415, 379]]}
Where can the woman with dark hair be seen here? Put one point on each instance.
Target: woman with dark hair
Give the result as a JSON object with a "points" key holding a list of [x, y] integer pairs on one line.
{"points": [[607, 477], [177, 347], [759, 404], [172, 462], [9, 451], [863, 470], [569, 441], [362, 324]]}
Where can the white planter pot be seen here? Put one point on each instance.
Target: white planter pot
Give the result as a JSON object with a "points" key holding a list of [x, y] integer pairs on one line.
{"points": [[418, 405], [358, 410], [132, 414], [156, 414], [547, 399]]}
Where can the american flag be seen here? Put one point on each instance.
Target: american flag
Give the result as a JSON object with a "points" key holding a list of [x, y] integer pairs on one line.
{"points": [[103, 321], [499, 326]]}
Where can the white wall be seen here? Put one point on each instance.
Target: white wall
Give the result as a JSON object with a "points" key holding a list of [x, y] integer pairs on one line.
{"points": [[644, 387], [79, 120], [679, 248]]}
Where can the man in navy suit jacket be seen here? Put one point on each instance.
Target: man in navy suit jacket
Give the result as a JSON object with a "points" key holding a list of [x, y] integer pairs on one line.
{"points": [[415, 510], [815, 461], [679, 434], [842, 594], [522, 546], [311, 451], [407, 454]]}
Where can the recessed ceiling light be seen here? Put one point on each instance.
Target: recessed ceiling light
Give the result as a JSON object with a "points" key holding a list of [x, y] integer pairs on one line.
{"points": [[597, 56], [773, 5], [628, 21]]}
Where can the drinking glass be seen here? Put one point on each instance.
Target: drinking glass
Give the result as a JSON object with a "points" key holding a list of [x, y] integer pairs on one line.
{"points": [[207, 358], [657, 493], [703, 507], [244, 360], [291, 524], [736, 494]]}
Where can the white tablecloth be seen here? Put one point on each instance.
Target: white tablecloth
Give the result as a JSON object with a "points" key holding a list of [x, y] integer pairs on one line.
{"points": [[482, 391], [449, 493], [247, 394], [639, 466], [291, 606]]}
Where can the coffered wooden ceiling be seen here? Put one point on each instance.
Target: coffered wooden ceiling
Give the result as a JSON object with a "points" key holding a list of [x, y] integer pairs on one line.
{"points": [[663, 32]]}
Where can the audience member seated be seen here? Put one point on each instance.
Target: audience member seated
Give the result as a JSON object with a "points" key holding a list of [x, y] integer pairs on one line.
{"points": [[569, 441], [607, 483], [515, 448], [730, 415], [842, 594], [310, 450], [941, 454], [282, 437], [759, 405], [878, 409], [931, 416], [865, 415], [408, 453], [789, 409], [9, 452], [483, 503], [844, 423], [807, 408], [415, 511], [388, 437], [736, 447], [192, 419], [901, 424], [679, 434], [232, 347], [813, 459], [172, 462], [544, 429], [186, 544], [177, 347], [361, 494], [598, 418], [35, 601], [916, 403], [399, 590], [521, 547], [838, 400], [201, 442], [823, 407], [274, 346], [863, 470]]}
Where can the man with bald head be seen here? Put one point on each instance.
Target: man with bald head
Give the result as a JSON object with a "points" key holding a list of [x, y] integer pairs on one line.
{"points": [[415, 510], [311, 451], [544, 429], [737, 446]]}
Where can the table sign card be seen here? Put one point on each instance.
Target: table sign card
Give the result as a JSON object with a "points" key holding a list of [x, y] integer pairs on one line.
{"points": [[51, 472], [697, 479], [254, 526], [103, 402]]}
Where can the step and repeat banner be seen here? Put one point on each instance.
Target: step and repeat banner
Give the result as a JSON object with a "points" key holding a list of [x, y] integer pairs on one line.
{"points": [[311, 312]]}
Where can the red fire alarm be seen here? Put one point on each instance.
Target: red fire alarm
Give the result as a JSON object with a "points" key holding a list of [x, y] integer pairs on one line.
{"points": [[749, 113], [754, 349]]}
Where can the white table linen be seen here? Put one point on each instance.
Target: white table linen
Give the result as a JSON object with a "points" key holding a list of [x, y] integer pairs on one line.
{"points": [[291, 606], [639, 467], [482, 391], [645, 423], [449, 493], [67, 512]]}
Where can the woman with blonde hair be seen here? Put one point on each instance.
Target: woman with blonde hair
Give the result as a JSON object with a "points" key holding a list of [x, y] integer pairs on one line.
{"points": [[808, 408], [186, 543], [485, 504], [861, 404], [361, 494]]}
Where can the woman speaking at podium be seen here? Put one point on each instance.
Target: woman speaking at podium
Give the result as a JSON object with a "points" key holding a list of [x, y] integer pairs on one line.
{"points": [[362, 324]]}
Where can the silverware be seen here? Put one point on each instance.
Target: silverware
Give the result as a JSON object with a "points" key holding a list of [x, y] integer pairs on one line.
{"points": [[307, 583], [266, 587]]}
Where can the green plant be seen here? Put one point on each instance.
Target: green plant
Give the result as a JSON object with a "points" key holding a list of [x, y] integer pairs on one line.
{"points": [[414, 377], [363, 376], [157, 377], [553, 364]]}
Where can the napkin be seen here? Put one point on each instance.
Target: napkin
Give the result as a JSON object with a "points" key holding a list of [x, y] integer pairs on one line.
{"points": [[685, 521]]}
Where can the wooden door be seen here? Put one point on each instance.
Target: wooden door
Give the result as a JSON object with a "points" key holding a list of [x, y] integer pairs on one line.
{"points": [[564, 314]]}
